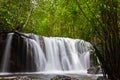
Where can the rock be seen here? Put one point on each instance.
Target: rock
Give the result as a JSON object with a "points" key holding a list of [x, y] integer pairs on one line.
{"points": [[94, 70], [101, 78], [22, 78], [63, 77], [20, 57]]}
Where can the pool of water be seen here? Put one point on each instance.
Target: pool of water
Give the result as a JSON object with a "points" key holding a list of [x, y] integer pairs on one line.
{"points": [[47, 76]]}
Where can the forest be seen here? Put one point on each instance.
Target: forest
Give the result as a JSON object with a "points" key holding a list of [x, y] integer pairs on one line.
{"points": [[96, 21]]}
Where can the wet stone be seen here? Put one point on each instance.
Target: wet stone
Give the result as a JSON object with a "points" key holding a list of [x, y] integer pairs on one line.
{"points": [[22, 78], [102, 78], [63, 77]]}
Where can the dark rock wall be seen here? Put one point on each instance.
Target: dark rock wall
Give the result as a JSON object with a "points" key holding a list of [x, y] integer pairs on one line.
{"points": [[2, 46], [21, 57]]}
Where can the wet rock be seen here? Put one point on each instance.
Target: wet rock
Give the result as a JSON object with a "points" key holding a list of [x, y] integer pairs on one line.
{"points": [[101, 78], [94, 70], [63, 77], [20, 57], [22, 78], [3, 37]]}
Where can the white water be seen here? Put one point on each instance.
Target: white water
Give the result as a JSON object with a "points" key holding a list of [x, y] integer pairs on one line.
{"points": [[66, 54], [61, 54], [6, 56], [38, 54]]}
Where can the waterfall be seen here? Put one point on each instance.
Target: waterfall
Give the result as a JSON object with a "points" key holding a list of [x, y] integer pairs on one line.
{"points": [[61, 54], [6, 56], [66, 54], [39, 56]]}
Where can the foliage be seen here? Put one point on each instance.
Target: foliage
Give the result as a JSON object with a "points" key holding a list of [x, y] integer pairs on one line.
{"points": [[109, 37], [105, 24], [13, 14], [48, 17]]}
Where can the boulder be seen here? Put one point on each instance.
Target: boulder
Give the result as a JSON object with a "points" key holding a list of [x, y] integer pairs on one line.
{"points": [[63, 77]]}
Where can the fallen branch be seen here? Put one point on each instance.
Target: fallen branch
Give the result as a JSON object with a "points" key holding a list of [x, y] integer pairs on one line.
{"points": [[21, 34]]}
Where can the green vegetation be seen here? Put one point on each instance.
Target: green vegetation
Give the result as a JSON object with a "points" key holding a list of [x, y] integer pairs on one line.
{"points": [[13, 14], [48, 17], [97, 21]]}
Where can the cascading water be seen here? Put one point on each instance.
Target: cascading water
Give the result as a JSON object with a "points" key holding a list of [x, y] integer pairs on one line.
{"points": [[66, 54], [60, 55], [39, 56], [7, 53]]}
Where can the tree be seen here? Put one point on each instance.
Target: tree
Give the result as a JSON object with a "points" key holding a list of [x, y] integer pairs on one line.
{"points": [[13, 14], [109, 37]]}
